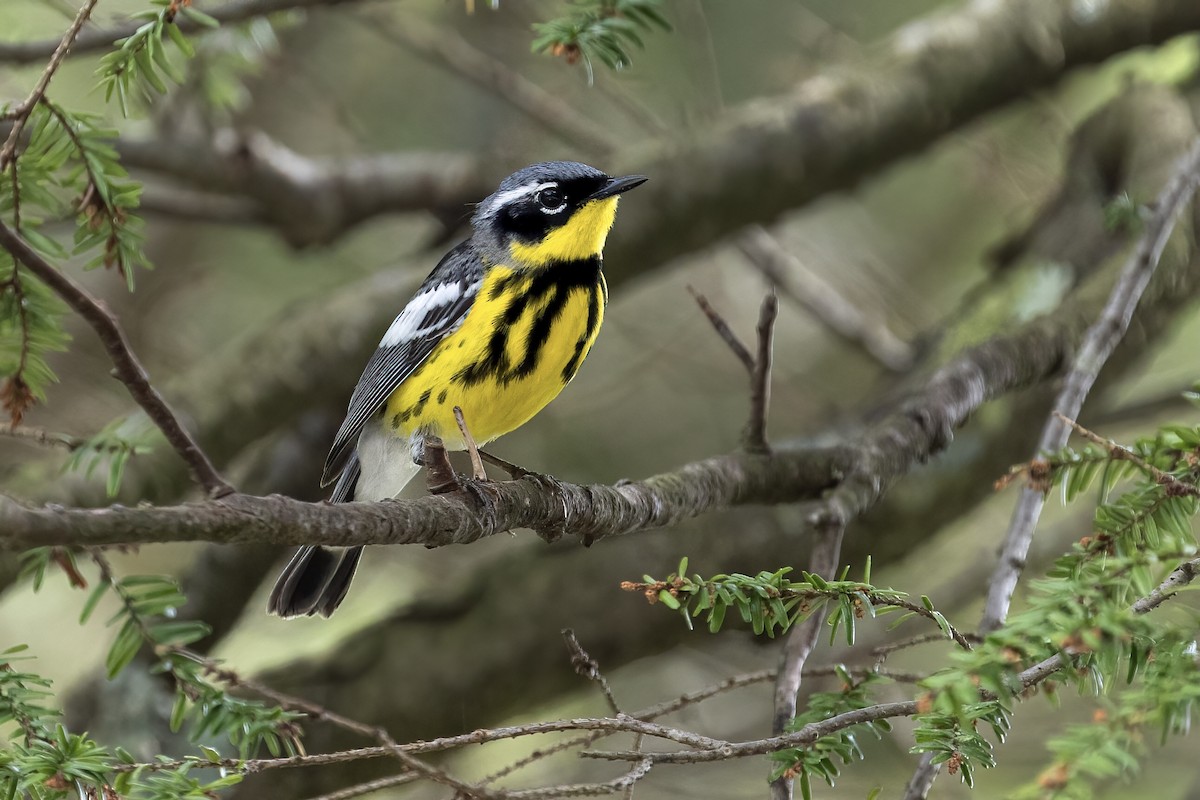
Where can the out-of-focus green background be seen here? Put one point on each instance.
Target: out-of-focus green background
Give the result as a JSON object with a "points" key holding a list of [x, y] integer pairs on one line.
{"points": [[659, 389]]}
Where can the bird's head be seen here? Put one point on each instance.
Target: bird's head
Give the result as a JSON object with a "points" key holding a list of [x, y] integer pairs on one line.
{"points": [[551, 212]]}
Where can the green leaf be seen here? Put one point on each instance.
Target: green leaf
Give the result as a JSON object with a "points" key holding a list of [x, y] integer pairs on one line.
{"points": [[199, 17]]}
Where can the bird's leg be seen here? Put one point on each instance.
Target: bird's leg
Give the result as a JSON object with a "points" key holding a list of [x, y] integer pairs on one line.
{"points": [[440, 476], [477, 470]]}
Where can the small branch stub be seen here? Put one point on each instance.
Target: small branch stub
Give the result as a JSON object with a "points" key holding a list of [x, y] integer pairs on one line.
{"points": [[754, 437]]}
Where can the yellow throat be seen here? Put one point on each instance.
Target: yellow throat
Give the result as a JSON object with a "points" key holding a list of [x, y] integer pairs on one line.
{"points": [[580, 237]]}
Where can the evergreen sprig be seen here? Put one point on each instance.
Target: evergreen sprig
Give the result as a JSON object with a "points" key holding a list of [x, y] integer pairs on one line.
{"points": [[600, 30], [141, 61], [820, 759], [111, 448], [145, 617], [31, 328], [771, 602], [1110, 746], [1081, 611]]}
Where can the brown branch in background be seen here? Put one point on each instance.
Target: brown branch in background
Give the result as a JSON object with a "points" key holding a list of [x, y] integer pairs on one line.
{"points": [[97, 39], [127, 367], [1098, 343], [755, 438], [200, 206], [1174, 485], [444, 47], [820, 299], [21, 113], [823, 561]]}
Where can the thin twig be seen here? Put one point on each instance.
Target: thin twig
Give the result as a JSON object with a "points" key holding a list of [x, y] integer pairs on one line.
{"points": [[358, 790], [43, 437], [587, 667], [316, 711], [1173, 484], [824, 560], [621, 782], [884, 650], [1098, 344], [129, 369], [1182, 575], [22, 112], [825, 303], [755, 439], [726, 333]]}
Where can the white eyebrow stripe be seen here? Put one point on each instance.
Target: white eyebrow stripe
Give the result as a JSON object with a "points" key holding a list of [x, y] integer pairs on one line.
{"points": [[505, 198], [405, 327]]}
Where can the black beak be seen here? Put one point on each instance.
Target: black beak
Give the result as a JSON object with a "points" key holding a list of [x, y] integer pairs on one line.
{"points": [[616, 186]]}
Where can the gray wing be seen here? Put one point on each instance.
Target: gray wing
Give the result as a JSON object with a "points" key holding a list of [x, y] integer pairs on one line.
{"points": [[437, 309]]}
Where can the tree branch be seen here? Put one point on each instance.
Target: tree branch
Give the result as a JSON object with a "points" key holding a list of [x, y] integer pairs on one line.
{"points": [[859, 472], [823, 560], [128, 369], [103, 38], [1098, 344], [761, 160]]}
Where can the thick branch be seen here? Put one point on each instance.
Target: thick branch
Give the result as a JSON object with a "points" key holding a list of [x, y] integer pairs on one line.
{"points": [[588, 512], [861, 471], [764, 159]]}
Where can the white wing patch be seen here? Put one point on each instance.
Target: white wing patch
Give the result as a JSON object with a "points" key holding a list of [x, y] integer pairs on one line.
{"points": [[419, 317]]}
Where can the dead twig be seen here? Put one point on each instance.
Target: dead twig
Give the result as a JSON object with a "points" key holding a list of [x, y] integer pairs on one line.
{"points": [[587, 667], [754, 437]]}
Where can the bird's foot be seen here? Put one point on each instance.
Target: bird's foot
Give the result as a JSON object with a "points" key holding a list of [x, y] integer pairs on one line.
{"points": [[483, 497], [515, 472]]}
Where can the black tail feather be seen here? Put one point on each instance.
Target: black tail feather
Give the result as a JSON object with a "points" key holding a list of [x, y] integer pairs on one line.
{"points": [[315, 581]]}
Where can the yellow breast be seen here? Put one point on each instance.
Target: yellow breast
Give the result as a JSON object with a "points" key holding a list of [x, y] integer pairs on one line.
{"points": [[520, 344]]}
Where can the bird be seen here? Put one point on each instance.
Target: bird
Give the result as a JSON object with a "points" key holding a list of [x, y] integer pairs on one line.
{"points": [[496, 331]]}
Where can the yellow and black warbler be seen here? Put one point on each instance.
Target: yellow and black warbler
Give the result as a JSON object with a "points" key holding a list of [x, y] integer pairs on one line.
{"points": [[498, 328]]}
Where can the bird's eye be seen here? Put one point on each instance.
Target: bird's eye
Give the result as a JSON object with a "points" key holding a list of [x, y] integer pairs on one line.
{"points": [[550, 199]]}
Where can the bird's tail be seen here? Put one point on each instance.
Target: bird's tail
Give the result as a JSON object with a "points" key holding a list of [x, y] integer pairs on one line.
{"points": [[317, 578], [315, 581]]}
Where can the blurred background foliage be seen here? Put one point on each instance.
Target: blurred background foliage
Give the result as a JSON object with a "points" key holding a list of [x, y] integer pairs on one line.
{"points": [[660, 389]]}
